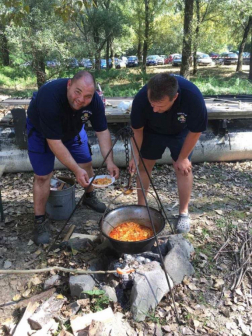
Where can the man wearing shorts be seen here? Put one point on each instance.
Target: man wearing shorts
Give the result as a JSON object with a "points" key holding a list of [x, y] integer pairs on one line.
{"points": [[55, 126], [168, 112]]}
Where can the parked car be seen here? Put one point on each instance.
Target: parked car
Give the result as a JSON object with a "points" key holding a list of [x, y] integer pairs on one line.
{"points": [[125, 59], [52, 64], [87, 64], [177, 60], [204, 59], [227, 58], [160, 60], [119, 63], [103, 63], [152, 60], [73, 63], [214, 55], [170, 58], [246, 58], [132, 61]]}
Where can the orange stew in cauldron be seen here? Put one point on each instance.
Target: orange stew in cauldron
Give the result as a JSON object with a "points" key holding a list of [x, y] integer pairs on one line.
{"points": [[130, 231]]}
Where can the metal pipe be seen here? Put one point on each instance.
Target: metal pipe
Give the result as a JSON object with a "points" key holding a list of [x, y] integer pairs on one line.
{"points": [[234, 146]]}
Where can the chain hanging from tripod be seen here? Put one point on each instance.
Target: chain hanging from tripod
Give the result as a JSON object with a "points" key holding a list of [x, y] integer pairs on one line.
{"points": [[127, 133]]}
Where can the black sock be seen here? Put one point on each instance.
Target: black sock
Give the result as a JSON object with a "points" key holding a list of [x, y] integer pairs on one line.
{"points": [[40, 217]]}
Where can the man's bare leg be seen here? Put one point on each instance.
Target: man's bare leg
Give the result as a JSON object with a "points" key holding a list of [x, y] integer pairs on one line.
{"points": [[90, 198], [184, 190], [41, 191], [145, 179]]}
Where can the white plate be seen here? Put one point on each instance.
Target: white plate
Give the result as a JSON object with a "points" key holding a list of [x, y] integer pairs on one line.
{"points": [[102, 176]]}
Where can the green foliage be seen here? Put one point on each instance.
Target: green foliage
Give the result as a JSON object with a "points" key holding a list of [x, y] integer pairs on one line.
{"points": [[99, 300]]}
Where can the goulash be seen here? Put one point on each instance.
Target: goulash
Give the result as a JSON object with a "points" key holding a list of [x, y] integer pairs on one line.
{"points": [[130, 231], [102, 181]]}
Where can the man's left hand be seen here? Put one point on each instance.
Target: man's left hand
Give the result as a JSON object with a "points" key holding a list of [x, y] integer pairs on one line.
{"points": [[113, 170], [183, 166]]}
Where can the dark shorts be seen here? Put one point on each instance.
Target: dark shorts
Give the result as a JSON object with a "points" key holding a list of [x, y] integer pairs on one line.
{"points": [[42, 158], [154, 145]]}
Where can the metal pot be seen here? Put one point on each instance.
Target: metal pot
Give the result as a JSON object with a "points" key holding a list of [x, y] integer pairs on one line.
{"points": [[137, 214]]}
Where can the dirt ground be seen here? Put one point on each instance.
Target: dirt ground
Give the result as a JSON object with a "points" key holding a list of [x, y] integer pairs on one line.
{"points": [[221, 211]]}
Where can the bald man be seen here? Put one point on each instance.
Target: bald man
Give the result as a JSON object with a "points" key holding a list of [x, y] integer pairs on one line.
{"points": [[56, 122]]}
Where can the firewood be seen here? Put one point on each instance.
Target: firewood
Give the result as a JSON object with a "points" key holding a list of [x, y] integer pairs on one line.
{"points": [[45, 312], [41, 296], [23, 326]]}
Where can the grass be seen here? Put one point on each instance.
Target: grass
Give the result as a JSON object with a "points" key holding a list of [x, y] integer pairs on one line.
{"points": [[21, 82]]}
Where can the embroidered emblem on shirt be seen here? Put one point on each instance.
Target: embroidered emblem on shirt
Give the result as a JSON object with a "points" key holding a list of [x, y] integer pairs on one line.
{"points": [[85, 116], [182, 117]]}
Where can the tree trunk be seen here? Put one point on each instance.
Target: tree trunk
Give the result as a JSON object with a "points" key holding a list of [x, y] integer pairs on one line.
{"points": [[39, 67], [242, 45], [146, 34], [4, 51], [187, 39], [250, 63], [196, 37], [112, 53], [107, 53], [139, 50]]}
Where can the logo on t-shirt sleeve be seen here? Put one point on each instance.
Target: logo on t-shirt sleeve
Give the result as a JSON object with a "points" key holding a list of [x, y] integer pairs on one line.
{"points": [[85, 115], [182, 117]]}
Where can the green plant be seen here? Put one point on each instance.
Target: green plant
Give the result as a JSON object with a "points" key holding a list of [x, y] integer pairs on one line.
{"points": [[99, 299]]}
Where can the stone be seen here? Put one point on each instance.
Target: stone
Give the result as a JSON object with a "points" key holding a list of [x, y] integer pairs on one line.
{"points": [[177, 265], [117, 326], [80, 243], [185, 246], [149, 287], [163, 249], [110, 292], [80, 283], [99, 264], [80, 322], [53, 280], [7, 264]]}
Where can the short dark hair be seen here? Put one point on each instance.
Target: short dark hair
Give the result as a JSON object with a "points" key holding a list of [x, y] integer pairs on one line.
{"points": [[84, 74], [162, 85]]}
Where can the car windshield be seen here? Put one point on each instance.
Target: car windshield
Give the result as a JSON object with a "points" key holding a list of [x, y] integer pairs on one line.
{"points": [[132, 58]]}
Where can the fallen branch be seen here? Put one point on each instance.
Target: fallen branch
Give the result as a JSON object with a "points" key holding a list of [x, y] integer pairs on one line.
{"points": [[54, 268], [222, 247], [38, 297]]}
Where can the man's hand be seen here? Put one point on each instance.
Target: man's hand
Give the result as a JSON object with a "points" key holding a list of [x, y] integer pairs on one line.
{"points": [[183, 166], [132, 166], [82, 177], [113, 169]]}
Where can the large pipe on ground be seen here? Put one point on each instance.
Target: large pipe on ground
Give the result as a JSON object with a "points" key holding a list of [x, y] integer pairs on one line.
{"points": [[234, 146]]}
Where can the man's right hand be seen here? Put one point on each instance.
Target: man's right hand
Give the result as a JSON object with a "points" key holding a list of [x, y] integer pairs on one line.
{"points": [[132, 166], [82, 177]]}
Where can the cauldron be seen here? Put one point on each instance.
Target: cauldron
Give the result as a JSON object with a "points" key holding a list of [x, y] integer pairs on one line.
{"points": [[133, 213]]}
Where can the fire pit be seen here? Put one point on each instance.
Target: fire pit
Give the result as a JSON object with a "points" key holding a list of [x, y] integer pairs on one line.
{"points": [[135, 213]]}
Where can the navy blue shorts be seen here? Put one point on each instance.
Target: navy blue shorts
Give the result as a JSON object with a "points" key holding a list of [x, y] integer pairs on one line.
{"points": [[41, 156], [154, 145]]}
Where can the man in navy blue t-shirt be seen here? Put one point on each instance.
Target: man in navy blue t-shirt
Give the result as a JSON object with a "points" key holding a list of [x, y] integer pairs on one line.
{"points": [[55, 126], [168, 112]]}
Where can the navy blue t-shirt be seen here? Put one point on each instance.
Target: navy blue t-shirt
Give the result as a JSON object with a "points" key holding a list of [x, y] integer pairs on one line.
{"points": [[52, 116], [189, 110]]}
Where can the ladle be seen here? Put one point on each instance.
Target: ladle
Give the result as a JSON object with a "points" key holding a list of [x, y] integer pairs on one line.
{"points": [[128, 189]]}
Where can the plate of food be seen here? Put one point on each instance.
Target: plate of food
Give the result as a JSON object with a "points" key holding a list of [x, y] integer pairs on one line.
{"points": [[102, 181]]}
